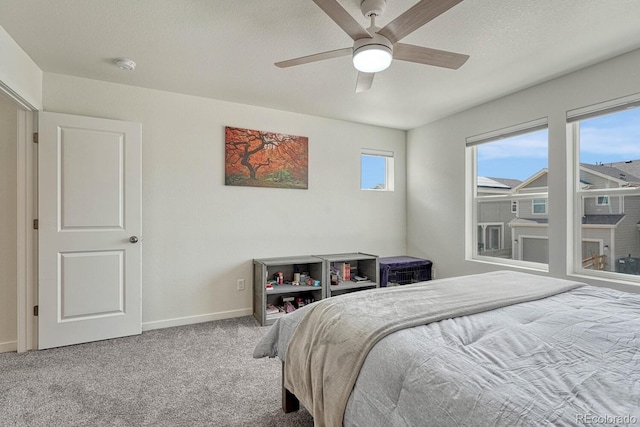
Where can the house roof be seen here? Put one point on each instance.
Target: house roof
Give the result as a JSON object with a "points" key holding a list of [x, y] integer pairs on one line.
{"points": [[226, 50], [606, 219], [629, 167], [536, 220], [612, 219], [613, 171], [531, 179], [486, 182], [523, 222], [511, 183]]}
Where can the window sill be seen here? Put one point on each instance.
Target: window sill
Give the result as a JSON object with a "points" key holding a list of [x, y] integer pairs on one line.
{"points": [[522, 265], [607, 276]]}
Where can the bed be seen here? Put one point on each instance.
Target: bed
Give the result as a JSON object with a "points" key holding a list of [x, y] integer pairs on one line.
{"points": [[500, 349]]}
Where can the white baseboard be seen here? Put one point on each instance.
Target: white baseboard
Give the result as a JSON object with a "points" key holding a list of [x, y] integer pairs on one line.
{"points": [[189, 320], [8, 346]]}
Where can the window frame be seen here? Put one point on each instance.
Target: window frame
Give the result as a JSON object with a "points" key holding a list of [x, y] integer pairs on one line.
{"points": [[389, 172], [534, 204], [603, 198], [574, 117], [473, 200]]}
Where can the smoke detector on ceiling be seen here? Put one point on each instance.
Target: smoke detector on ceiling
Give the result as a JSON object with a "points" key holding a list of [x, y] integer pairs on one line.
{"points": [[126, 64]]}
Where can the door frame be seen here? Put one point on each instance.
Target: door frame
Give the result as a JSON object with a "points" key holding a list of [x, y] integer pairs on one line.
{"points": [[26, 242]]}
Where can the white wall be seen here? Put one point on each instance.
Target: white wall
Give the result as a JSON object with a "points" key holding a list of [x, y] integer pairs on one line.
{"points": [[19, 75], [437, 173], [200, 236], [8, 225]]}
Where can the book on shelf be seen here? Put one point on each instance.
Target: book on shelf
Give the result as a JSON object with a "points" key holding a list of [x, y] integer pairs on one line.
{"points": [[344, 270], [276, 315], [273, 310]]}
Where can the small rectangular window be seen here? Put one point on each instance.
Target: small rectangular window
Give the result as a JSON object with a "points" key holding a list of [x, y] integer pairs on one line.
{"points": [[514, 206], [376, 170], [539, 206], [603, 201]]}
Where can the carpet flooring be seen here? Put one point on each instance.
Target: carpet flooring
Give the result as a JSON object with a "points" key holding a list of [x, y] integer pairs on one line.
{"points": [[195, 375]]}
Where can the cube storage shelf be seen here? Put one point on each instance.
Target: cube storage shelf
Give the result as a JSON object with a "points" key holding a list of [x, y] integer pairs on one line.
{"points": [[263, 272], [403, 270], [318, 268], [360, 264]]}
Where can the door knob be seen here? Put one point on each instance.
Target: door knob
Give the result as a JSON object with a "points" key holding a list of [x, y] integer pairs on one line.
{"points": [[133, 239]]}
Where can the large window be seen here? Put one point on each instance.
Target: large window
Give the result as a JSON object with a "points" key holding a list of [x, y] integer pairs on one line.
{"points": [[376, 170], [607, 222], [509, 205]]}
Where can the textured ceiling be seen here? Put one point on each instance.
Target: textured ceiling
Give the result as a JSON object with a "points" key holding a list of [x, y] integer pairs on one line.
{"points": [[225, 49]]}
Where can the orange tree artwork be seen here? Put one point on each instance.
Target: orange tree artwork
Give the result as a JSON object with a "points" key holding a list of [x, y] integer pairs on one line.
{"points": [[265, 159]]}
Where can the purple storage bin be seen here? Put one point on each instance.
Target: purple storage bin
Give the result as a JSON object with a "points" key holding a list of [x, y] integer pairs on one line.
{"points": [[403, 270]]}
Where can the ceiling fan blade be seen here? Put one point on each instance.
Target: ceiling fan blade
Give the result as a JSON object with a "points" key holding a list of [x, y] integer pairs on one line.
{"points": [[415, 17], [316, 57], [342, 18], [425, 55], [365, 80]]}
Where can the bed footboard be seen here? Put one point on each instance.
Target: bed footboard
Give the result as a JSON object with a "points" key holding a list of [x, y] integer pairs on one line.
{"points": [[290, 402]]}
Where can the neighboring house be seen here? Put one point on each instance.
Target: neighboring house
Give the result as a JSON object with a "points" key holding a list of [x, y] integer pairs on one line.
{"points": [[494, 234], [530, 227], [518, 229], [610, 223]]}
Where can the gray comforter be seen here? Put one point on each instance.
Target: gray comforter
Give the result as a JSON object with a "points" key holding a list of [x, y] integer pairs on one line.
{"points": [[569, 359]]}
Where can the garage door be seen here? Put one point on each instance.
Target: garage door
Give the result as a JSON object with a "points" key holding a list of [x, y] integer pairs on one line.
{"points": [[535, 249]]}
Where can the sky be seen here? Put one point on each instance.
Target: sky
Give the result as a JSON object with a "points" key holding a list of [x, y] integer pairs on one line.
{"points": [[611, 138], [373, 171]]}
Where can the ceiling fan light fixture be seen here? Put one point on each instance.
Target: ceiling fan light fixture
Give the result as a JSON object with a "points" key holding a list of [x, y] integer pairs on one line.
{"points": [[372, 58]]}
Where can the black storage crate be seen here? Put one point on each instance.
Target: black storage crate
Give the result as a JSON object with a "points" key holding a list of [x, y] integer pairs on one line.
{"points": [[403, 270]]}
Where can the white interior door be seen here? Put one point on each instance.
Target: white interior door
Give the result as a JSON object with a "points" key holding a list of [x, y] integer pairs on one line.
{"points": [[90, 218]]}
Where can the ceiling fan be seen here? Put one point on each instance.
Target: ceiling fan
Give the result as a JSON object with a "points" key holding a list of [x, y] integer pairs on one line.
{"points": [[374, 48]]}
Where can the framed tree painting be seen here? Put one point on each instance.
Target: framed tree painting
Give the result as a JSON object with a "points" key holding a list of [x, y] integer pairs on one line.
{"points": [[266, 159]]}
